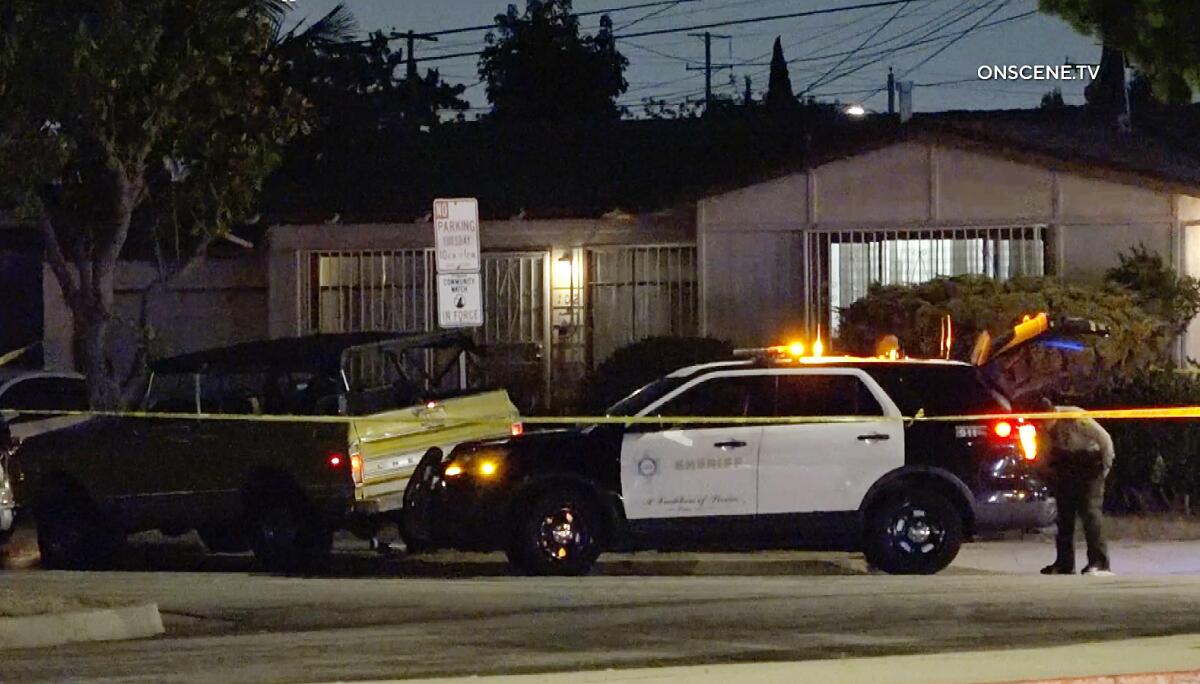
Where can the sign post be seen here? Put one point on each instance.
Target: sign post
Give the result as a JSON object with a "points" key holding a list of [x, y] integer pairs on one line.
{"points": [[459, 285]]}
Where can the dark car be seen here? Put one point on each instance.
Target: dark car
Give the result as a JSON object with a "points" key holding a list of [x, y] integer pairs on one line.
{"points": [[906, 493], [249, 479]]}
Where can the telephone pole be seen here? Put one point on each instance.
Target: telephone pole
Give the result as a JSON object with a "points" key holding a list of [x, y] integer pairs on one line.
{"points": [[709, 67], [411, 38]]}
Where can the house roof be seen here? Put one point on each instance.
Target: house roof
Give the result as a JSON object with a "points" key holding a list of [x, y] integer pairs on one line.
{"points": [[652, 165], [1075, 139]]}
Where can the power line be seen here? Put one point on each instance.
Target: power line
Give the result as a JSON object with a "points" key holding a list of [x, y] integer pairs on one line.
{"points": [[589, 13], [660, 53], [957, 38], [921, 40], [820, 79], [773, 17], [651, 15], [952, 42], [730, 22]]}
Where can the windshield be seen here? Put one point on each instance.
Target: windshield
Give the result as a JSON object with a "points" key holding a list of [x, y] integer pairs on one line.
{"points": [[644, 396]]}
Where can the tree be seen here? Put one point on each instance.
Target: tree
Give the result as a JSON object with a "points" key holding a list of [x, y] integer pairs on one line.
{"points": [[780, 97], [1160, 37], [353, 85], [539, 68], [123, 120], [1053, 100], [1157, 287]]}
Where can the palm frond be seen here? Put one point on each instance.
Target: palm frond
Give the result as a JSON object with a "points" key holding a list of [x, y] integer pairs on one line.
{"points": [[338, 25]]}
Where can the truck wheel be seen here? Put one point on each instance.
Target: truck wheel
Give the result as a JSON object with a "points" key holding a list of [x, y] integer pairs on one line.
{"points": [[557, 533], [287, 536], [913, 532], [71, 534]]}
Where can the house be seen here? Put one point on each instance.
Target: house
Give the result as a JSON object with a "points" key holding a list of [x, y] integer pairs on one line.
{"points": [[763, 241], [998, 194]]}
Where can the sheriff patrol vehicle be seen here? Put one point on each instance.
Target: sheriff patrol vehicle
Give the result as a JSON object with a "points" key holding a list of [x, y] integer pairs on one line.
{"points": [[859, 475]]}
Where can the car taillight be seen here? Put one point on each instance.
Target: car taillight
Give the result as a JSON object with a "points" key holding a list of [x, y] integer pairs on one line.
{"points": [[356, 468], [517, 429], [1024, 433], [1028, 436]]}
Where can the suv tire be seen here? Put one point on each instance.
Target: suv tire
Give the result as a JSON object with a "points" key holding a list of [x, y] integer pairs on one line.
{"points": [[71, 533], [556, 533], [912, 532], [288, 536]]}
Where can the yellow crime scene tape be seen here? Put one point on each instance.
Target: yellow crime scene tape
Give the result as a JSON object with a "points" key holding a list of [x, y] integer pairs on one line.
{"points": [[1150, 413]]}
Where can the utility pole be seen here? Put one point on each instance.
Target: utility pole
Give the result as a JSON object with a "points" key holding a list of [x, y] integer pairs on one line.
{"points": [[709, 67], [891, 88], [411, 38]]}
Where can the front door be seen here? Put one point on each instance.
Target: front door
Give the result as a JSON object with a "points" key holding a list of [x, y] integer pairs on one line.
{"points": [[827, 467], [696, 470]]}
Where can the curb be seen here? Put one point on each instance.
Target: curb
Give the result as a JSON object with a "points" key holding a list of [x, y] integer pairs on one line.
{"points": [[112, 624], [1189, 677], [1148, 660]]}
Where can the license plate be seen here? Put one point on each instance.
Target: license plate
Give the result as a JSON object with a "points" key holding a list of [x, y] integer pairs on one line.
{"points": [[970, 431]]}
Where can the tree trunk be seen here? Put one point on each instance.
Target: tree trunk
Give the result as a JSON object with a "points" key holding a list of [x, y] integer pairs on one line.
{"points": [[89, 290], [91, 325]]}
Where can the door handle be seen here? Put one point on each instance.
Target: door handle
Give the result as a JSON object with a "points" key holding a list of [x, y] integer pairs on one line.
{"points": [[873, 436], [731, 444]]}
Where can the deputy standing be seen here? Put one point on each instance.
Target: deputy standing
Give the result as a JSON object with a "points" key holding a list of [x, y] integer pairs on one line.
{"points": [[1081, 454]]}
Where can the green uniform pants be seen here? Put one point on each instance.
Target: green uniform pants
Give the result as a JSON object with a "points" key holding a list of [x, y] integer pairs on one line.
{"points": [[1082, 497]]}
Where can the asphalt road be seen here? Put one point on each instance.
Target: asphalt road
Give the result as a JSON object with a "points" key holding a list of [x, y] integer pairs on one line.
{"points": [[380, 618]]}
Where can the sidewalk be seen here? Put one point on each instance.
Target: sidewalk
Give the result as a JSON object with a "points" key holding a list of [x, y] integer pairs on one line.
{"points": [[1129, 558], [1176, 660]]}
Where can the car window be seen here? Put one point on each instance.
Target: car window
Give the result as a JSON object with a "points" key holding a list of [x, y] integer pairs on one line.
{"points": [[824, 395], [734, 396], [939, 390], [644, 396], [46, 394]]}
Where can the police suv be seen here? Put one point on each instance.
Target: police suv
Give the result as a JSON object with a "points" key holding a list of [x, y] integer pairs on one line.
{"points": [[905, 492]]}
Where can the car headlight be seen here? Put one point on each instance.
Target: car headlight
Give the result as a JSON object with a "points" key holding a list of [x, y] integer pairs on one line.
{"points": [[485, 464]]}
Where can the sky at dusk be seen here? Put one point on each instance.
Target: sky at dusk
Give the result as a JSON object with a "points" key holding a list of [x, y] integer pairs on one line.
{"points": [[658, 63]]}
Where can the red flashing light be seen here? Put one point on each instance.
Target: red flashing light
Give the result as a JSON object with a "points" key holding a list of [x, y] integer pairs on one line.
{"points": [[1003, 429], [335, 460]]}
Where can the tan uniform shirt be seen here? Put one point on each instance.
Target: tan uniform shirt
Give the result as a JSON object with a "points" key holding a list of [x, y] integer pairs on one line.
{"points": [[1075, 435]]}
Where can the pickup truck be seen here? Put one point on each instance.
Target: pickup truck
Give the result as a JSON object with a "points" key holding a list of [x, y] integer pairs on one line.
{"points": [[268, 445]]}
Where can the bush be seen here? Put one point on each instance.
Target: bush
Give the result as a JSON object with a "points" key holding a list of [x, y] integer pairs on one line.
{"points": [[634, 365], [1157, 462], [1158, 289], [914, 314]]}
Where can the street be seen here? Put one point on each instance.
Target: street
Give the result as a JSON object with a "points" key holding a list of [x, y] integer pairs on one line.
{"points": [[462, 614]]}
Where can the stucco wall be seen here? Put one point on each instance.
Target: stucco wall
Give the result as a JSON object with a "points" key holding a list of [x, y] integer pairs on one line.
{"points": [[222, 302], [915, 186], [556, 237]]}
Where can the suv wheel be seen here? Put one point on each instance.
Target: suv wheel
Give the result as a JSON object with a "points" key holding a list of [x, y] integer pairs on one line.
{"points": [[913, 533], [71, 534], [287, 536], [558, 533]]}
